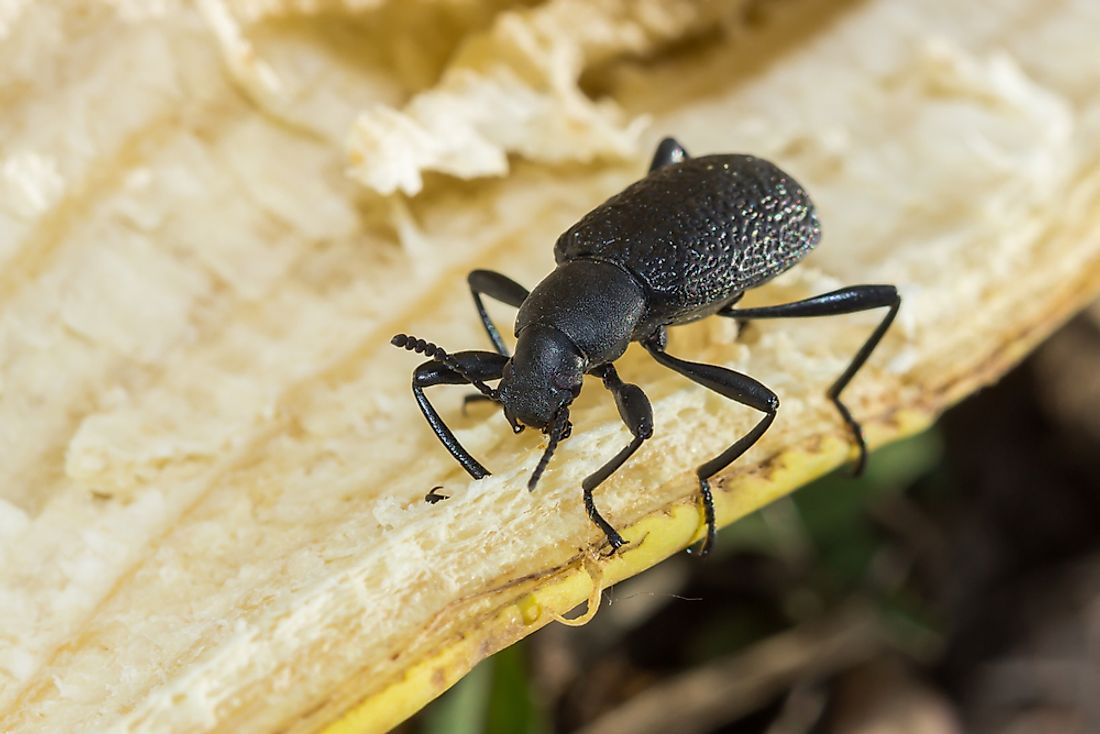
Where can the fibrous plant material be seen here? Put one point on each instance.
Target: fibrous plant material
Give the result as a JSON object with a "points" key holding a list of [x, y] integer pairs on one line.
{"points": [[213, 218]]}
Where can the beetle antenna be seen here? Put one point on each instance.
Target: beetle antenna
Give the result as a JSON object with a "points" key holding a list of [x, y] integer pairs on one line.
{"points": [[404, 341], [557, 433]]}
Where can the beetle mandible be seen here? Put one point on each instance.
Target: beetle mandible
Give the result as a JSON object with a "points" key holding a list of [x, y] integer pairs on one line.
{"points": [[681, 244]]}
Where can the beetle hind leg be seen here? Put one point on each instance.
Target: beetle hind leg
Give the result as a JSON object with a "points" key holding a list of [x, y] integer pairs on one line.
{"points": [[846, 300]]}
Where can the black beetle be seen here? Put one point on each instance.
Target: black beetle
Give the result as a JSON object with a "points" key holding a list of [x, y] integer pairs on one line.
{"points": [[683, 243]]}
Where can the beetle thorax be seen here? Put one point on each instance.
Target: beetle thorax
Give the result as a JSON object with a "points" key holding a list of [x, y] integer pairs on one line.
{"points": [[596, 305]]}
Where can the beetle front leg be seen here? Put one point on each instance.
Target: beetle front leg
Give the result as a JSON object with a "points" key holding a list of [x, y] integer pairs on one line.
{"points": [[637, 414], [734, 386], [844, 301], [474, 365]]}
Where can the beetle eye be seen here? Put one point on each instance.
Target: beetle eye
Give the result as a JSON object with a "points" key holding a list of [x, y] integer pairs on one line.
{"points": [[564, 381]]}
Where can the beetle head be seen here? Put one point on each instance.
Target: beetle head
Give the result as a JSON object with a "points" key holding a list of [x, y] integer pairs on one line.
{"points": [[543, 377]]}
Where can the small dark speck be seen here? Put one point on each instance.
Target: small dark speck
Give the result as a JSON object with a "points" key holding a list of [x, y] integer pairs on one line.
{"points": [[434, 496]]}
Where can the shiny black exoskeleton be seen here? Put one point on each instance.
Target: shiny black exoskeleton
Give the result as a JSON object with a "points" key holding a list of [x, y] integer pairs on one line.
{"points": [[683, 243]]}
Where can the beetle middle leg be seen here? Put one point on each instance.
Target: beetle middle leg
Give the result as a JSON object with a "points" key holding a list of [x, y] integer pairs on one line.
{"points": [[732, 385], [844, 301], [500, 287], [504, 289], [637, 414]]}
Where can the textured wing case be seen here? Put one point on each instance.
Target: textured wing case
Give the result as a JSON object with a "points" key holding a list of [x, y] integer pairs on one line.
{"points": [[700, 231]]}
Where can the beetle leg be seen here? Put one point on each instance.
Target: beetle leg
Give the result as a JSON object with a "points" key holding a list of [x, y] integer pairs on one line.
{"points": [[475, 365], [843, 301], [500, 287], [668, 151], [732, 385], [637, 414]]}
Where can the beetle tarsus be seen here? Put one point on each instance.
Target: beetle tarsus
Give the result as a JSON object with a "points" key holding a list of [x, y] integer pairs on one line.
{"points": [[613, 538]]}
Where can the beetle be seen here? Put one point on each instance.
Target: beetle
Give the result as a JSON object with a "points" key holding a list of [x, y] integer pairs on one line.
{"points": [[679, 245]]}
